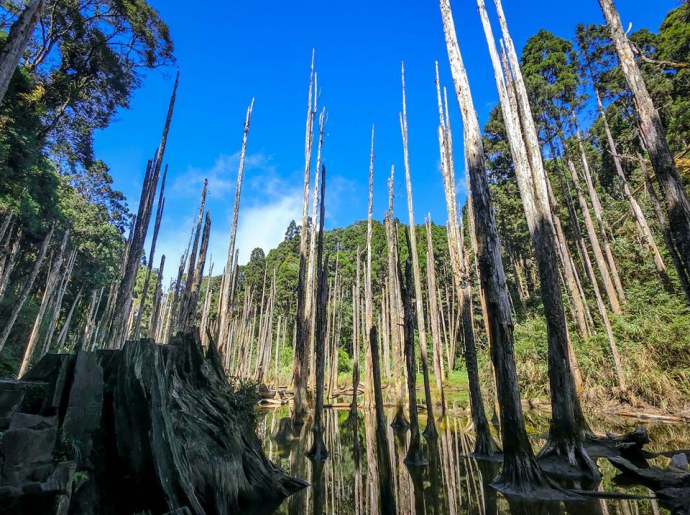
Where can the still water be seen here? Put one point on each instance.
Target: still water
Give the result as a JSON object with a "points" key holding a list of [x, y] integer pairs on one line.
{"points": [[356, 479]]}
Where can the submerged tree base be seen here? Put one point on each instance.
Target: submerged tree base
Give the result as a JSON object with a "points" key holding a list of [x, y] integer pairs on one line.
{"points": [[568, 460], [157, 423]]}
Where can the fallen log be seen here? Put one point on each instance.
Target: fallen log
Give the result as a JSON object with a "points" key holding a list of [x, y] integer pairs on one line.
{"points": [[157, 422]]}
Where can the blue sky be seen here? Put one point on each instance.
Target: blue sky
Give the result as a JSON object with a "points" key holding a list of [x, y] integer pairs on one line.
{"points": [[230, 52]]}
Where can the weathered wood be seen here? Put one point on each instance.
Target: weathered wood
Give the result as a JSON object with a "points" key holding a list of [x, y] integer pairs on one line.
{"points": [[430, 432], [159, 422], [300, 366], [227, 293], [521, 473], [434, 315], [8, 263], [654, 139], [26, 290], [318, 451], [152, 253]]}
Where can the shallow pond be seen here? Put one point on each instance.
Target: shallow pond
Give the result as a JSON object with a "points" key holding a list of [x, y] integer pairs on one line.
{"points": [[354, 481]]}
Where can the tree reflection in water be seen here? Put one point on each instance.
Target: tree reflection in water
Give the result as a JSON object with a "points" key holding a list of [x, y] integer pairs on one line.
{"points": [[366, 474]]}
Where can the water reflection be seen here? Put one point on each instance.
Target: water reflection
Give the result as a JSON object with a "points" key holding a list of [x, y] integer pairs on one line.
{"points": [[366, 472]]}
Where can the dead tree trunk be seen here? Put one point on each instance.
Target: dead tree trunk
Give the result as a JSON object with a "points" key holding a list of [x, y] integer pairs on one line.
{"points": [[57, 305], [430, 432], [300, 363], [654, 139], [355, 338], [152, 253], [155, 322], [310, 307], [28, 286], [414, 455], [318, 451], [683, 275], [17, 40], [635, 209], [395, 308], [189, 298], [9, 262], [599, 215], [568, 427], [435, 316], [51, 283], [225, 300], [62, 336], [368, 294], [484, 443], [521, 473]]}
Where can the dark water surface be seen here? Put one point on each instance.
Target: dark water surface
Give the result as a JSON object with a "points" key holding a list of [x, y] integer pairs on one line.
{"points": [[356, 480]]}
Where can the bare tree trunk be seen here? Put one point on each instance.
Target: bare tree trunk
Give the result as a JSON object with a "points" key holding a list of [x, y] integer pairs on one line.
{"points": [[300, 362], [9, 262], [224, 302], [194, 274], [395, 305], [435, 315], [355, 338], [17, 40], [28, 286], [57, 305], [638, 215], [683, 275], [368, 294], [594, 242], [157, 302], [189, 316], [62, 336], [430, 432], [51, 283], [568, 427], [654, 139], [310, 307], [599, 215], [152, 253], [318, 451], [204, 327], [521, 473], [123, 301]]}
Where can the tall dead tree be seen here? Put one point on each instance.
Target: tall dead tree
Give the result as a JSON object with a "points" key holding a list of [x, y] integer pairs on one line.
{"points": [[310, 308], [395, 308], [665, 229], [318, 451], [52, 279], [226, 293], [414, 456], [654, 139], [123, 299], [26, 290], [430, 432], [300, 363], [188, 316], [434, 315], [635, 209], [152, 254], [62, 336], [156, 321], [368, 294], [9, 260], [187, 310], [484, 442], [521, 473], [356, 288], [16, 42], [57, 303], [568, 428]]}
